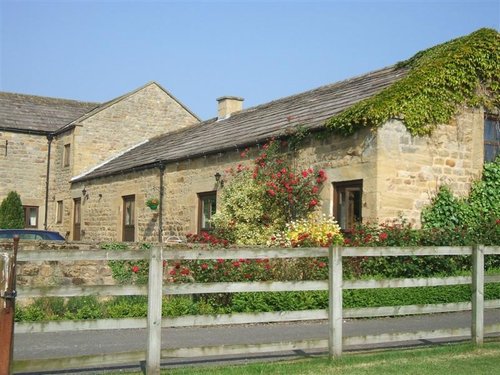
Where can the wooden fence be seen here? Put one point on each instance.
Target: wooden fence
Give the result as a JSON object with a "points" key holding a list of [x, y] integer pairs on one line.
{"points": [[335, 314]]}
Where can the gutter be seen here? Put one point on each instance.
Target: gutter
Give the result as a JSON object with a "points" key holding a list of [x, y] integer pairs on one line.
{"points": [[50, 137], [161, 166]]}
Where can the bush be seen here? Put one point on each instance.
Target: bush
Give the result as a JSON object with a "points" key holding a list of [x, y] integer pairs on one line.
{"points": [[128, 271], [259, 200], [12, 212], [474, 219]]}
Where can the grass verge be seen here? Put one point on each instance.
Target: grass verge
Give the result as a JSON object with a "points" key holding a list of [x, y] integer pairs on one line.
{"points": [[456, 359]]}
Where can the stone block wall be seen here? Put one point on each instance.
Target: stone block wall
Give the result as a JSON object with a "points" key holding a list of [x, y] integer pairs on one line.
{"points": [[23, 167], [411, 169], [146, 113]]}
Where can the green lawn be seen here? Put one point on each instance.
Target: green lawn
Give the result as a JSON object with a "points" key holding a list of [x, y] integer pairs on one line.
{"points": [[456, 359]]}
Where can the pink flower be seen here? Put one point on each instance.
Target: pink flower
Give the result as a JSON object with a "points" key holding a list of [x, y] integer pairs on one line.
{"points": [[304, 174], [204, 266], [135, 269]]}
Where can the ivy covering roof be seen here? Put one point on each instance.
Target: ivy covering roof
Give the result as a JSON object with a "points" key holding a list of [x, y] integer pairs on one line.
{"points": [[442, 79]]}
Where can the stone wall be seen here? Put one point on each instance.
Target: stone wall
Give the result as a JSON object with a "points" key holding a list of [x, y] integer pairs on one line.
{"points": [[23, 167], [148, 112], [411, 169]]}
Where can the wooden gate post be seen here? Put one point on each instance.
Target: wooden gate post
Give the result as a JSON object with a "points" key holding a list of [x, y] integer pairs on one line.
{"points": [[335, 302], [154, 311], [477, 328], [7, 308]]}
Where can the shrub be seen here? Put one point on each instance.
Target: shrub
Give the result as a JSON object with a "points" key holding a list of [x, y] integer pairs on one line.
{"points": [[313, 231], [128, 271], [11, 212], [259, 200]]}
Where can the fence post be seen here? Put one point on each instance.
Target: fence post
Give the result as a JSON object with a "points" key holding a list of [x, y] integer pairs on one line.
{"points": [[477, 329], [335, 302], [7, 307], [154, 311]]}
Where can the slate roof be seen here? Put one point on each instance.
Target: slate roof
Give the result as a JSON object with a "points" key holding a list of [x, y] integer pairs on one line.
{"points": [[251, 126], [38, 114]]}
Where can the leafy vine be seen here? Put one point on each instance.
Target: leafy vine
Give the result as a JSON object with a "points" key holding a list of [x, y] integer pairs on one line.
{"points": [[462, 72]]}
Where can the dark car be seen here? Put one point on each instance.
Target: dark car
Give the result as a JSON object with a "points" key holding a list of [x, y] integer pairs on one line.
{"points": [[31, 234]]}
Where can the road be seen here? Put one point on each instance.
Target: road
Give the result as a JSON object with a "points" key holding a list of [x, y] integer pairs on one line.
{"points": [[51, 345]]}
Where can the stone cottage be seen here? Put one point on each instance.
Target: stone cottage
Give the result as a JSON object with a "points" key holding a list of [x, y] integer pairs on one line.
{"points": [[106, 163], [46, 142]]}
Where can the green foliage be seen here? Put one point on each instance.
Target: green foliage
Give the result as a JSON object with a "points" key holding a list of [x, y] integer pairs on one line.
{"points": [[128, 271], [258, 201], [464, 71], [474, 219], [11, 212], [126, 307]]}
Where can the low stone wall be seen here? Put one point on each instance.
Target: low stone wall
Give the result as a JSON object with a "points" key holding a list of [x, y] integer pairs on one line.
{"points": [[64, 273]]}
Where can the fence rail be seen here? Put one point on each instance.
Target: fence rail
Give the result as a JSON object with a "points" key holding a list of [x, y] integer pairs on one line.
{"points": [[335, 314]]}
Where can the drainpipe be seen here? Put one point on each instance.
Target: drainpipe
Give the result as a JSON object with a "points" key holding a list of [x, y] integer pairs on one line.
{"points": [[161, 166], [50, 137]]}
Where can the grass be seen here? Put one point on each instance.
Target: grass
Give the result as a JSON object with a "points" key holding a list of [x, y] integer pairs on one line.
{"points": [[456, 359]]}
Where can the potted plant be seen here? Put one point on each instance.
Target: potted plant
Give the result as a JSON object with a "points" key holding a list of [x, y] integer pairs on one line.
{"points": [[152, 203]]}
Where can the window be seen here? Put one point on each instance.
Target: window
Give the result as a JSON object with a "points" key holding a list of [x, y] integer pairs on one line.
{"points": [[59, 212], [30, 216], [491, 137], [66, 155], [129, 218], [347, 202], [206, 208]]}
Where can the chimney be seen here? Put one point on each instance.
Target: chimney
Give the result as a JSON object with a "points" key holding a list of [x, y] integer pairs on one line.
{"points": [[228, 105]]}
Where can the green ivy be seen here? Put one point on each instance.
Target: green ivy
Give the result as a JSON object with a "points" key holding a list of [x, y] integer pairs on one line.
{"points": [[475, 217], [437, 81]]}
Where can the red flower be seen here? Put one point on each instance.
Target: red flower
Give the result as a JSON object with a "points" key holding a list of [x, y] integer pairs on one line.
{"points": [[271, 192], [135, 269], [204, 266], [185, 271], [314, 189], [321, 264], [236, 264], [313, 203], [382, 236], [220, 260], [304, 174]]}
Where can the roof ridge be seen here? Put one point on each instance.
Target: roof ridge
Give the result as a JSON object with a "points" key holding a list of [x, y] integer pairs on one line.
{"points": [[48, 97], [316, 89]]}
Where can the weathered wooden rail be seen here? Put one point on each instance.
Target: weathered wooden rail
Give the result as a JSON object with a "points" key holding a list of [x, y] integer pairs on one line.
{"points": [[155, 290]]}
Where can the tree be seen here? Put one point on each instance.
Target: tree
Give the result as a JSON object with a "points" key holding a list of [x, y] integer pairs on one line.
{"points": [[11, 212]]}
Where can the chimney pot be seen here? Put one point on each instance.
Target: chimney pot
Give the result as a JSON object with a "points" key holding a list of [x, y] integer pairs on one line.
{"points": [[228, 105]]}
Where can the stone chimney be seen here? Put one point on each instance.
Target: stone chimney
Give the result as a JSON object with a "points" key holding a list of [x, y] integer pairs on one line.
{"points": [[228, 105]]}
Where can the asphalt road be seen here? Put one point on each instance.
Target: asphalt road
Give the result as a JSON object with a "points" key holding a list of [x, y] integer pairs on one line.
{"points": [[51, 345]]}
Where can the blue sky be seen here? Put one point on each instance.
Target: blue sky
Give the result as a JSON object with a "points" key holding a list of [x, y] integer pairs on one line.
{"points": [[201, 50]]}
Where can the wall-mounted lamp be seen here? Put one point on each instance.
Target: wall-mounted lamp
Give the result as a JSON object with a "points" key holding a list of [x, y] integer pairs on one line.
{"points": [[218, 180], [85, 194]]}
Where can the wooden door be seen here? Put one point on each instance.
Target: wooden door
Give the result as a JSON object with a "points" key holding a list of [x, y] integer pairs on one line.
{"points": [[77, 217]]}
